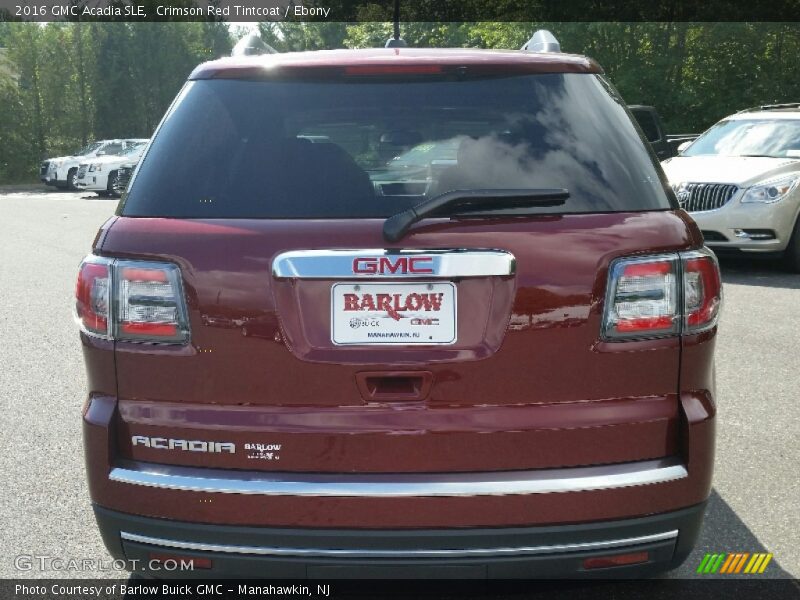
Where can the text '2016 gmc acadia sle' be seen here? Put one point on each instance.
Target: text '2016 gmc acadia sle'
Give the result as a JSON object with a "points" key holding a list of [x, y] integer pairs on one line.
{"points": [[492, 357]]}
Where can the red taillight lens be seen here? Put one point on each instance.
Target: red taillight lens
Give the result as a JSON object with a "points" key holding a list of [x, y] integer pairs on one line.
{"points": [[148, 302], [702, 291], [643, 298], [92, 295]]}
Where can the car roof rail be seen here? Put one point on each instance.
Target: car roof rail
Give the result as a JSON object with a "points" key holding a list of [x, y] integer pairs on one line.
{"points": [[771, 107], [542, 41], [252, 45]]}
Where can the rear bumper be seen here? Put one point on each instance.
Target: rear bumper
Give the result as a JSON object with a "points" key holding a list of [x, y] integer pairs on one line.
{"points": [[438, 499], [90, 183], [496, 553]]}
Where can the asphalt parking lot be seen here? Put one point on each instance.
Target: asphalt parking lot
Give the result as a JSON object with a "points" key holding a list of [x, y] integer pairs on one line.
{"points": [[44, 507]]}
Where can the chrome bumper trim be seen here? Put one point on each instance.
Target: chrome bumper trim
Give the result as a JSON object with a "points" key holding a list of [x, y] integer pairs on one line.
{"points": [[380, 264], [348, 485], [405, 553]]}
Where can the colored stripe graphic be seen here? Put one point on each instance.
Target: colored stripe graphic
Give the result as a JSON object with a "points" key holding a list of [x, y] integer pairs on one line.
{"points": [[730, 564], [727, 564], [740, 564], [718, 563], [734, 562], [753, 560], [702, 566], [764, 564]]}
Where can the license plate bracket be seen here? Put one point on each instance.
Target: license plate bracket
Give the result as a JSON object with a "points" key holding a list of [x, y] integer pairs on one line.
{"points": [[393, 313]]}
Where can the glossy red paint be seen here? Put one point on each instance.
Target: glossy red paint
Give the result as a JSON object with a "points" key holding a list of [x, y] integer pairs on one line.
{"points": [[697, 431], [261, 364], [528, 384], [337, 62], [548, 393]]}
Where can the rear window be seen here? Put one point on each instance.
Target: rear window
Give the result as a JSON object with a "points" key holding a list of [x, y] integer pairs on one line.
{"points": [[297, 149]]}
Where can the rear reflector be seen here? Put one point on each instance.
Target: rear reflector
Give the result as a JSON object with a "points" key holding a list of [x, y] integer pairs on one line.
{"points": [[604, 562], [664, 295], [148, 304]]}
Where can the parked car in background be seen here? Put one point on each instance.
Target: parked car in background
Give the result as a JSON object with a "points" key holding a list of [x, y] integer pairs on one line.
{"points": [[740, 181], [124, 174], [100, 174], [62, 172], [649, 121]]}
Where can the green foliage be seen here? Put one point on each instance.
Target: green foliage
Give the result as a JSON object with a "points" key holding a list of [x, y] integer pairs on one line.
{"points": [[67, 83], [63, 84]]}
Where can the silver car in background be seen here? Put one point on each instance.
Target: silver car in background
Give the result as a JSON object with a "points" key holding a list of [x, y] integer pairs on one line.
{"points": [[740, 180]]}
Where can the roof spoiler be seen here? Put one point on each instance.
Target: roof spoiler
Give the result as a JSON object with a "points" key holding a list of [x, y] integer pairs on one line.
{"points": [[542, 41], [251, 45]]}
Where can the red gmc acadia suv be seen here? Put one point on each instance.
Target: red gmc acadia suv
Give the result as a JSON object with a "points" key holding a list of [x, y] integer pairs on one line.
{"points": [[400, 312]]}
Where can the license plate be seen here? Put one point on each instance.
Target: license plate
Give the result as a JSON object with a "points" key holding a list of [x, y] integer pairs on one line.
{"points": [[393, 313]]}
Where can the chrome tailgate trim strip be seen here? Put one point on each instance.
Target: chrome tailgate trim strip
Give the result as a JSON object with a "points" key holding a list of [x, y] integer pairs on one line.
{"points": [[381, 264], [348, 485]]}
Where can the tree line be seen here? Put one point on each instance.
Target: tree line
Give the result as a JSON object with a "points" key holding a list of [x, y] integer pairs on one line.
{"points": [[64, 84]]}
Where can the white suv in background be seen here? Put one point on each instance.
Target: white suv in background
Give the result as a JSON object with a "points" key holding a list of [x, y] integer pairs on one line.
{"points": [[100, 174], [62, 172], [740, 182]]}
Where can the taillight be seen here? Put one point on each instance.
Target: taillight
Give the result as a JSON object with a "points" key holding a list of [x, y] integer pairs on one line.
{"points": [[702, 290], [664, 295], [642, 298], [148, 302], [92, 296]]}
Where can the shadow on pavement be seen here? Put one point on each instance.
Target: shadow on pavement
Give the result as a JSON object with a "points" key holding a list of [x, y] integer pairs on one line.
{"points": [[756, 272], [723, 531], [99, 197]]}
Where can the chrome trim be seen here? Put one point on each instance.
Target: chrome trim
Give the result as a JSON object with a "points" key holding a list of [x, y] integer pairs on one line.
{"points": [[348, 485], [390, 553], [700, 196], [445, 264]]}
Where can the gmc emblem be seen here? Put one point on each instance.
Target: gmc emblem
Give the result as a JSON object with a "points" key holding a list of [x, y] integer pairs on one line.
{"points": [[385, 265]]}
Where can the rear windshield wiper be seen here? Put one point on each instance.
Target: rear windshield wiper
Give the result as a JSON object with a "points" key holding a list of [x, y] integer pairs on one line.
{"points": [[456, 201]]}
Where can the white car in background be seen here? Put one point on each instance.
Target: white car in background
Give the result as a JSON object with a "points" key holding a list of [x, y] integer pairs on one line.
{"points": [[62, 172], [101, 174], [740, 181]]}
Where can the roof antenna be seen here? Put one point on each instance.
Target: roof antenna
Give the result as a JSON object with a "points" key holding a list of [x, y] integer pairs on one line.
{"points": [[396, 41]]}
